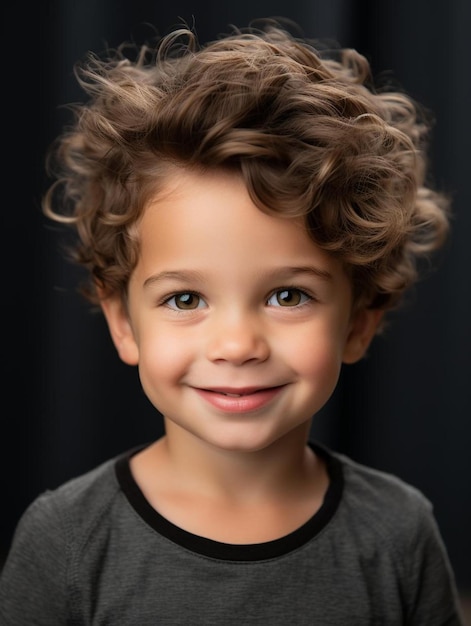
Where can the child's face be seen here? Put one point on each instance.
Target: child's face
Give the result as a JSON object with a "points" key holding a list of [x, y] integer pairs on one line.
{"points": [[238, 321]]}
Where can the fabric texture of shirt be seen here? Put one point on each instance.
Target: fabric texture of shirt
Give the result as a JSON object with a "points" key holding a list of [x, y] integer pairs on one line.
{"points": [[94, 552]]}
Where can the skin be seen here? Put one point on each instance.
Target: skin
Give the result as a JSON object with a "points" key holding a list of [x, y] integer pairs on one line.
{"points": [[239, 324]]}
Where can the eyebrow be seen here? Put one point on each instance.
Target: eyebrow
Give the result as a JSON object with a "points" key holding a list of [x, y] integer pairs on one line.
{"points": [[179, 275], [310, 270], [282, 273]]}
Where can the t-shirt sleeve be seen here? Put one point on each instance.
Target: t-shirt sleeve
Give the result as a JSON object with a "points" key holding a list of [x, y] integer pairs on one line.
{"points": [[434, 599], [33, 582]]}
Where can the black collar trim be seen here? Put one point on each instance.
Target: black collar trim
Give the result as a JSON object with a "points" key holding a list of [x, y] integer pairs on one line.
{"points": [[235, 552]]}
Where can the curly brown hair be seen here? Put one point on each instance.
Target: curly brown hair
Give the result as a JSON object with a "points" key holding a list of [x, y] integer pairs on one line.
{"points": [[305, 127]]}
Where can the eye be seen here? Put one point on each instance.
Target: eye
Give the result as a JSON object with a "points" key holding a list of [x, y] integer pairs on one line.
{"points": [[185, 301], [288, 297]]}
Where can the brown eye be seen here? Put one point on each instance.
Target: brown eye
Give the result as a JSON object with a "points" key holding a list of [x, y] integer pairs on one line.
{"points": [[287, 298], [186, 301]]}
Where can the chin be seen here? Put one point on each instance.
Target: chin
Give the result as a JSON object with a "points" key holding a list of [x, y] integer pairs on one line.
{"points": [[244, 442]]}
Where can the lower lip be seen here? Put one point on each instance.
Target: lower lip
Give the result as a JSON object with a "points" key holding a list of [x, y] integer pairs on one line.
{"points": [[241, 404]]}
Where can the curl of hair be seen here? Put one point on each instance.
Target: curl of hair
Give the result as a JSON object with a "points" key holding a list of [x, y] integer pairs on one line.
{"points": [[304, 127]]}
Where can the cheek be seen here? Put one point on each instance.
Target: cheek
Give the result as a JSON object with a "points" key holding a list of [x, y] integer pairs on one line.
{"points": [[317, 353], [319, 364], [163, 356]]}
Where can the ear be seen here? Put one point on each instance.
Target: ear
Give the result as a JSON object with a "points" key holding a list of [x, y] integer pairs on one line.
{"points": [[363, 327], [120, 329]]}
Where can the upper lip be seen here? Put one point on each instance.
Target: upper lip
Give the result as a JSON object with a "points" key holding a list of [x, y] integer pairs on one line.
{"points": [[238, 391]]}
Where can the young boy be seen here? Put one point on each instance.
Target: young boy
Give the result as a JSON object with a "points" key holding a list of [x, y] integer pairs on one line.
{"points": [[247, 211]]}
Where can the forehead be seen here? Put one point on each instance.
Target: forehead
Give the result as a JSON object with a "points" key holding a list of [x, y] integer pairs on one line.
{"points": [[208, 219]]}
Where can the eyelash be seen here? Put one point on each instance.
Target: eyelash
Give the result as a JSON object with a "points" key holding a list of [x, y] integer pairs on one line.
{"points": [[304, 297]]}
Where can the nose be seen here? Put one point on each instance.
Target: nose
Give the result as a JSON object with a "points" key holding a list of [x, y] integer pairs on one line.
{"points": [[237, 339]]}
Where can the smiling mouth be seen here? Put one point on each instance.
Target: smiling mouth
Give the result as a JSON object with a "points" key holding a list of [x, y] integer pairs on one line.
{"points": [[238, 401]]}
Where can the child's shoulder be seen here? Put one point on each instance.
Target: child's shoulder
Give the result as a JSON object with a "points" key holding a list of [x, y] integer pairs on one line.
{"points": [[76, 502], [379, 486], [84, 488], [383, 502], [372, 487]]}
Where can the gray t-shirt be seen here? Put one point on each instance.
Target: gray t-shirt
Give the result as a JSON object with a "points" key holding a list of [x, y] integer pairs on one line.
{"points": [[94, 552]]}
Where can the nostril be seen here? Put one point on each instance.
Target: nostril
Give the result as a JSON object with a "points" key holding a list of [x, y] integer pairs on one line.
{"points": [[238, 346]]}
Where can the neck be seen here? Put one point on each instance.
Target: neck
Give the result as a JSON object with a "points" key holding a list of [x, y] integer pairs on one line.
{"points": [[276, 468], [229, 495]]}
